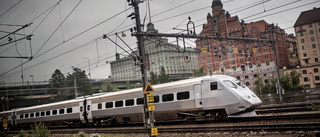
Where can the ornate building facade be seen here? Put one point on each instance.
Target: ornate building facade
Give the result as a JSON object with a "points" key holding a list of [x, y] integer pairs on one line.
{"points": [[242, 58]]}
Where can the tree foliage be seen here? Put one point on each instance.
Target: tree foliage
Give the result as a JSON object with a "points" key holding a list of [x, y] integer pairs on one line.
{"points": [[161, 78], [108, 87], [57, 79], [198, 72], [291, 81], [128, 85], [84, 86]]}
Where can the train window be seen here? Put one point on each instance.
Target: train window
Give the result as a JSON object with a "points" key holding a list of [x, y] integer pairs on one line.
{"points": [[54, 112], [99, 106], [81, 109], [21, 116], [119, 103], [48, 113], [42, 113], [167, 97], [61, 111], [156, 99], [26, 115], [37, 114], [31, 114], [109, 105], [88, 107], [69, 110], [183, 95], [230, 84], [213, 85], [140, 101], [129, 102]]}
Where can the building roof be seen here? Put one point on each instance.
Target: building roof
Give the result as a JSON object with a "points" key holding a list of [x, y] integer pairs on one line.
{"points": [[308, 17]]}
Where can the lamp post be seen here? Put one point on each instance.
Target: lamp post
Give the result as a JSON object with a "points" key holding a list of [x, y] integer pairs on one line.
{"points": [[75, 82], [32, 83], [89, 67]]}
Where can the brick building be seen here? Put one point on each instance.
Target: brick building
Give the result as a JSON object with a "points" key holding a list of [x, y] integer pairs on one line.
{"points": [[244, 59], [307, 29]]}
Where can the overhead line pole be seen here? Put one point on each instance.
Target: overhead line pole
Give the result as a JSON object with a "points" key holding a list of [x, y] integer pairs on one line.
{"points": [[148, 115]]}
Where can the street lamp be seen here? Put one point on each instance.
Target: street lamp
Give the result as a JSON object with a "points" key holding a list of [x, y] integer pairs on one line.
{"points": [[32, 83], [75, 82], [89, 67]]}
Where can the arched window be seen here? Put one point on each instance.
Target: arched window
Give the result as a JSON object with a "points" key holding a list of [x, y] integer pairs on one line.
{"points": [[247, 83], [238, 77], [234, 68], [304, 72], [267, 63], [243, 68], [246, 77]]}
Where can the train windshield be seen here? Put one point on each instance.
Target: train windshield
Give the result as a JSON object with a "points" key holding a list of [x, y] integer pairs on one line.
{"points": [[234, 83]]}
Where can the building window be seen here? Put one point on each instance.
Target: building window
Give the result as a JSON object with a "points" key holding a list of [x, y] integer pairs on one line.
{"points": [[311, 32], [246, 77], [247, 84], [305, 79], [317, 78], [243, 68], [250, 65], [234, 68], [314, 46], [303, 47], [301, 33], [310, 25], [316, 60], [315, 53], [312, 38], [238, 77], [315, 70], [266, 56], [266, 81], [305, 54], [302, 40], [267, 63], [306, 61], [304, 72]]}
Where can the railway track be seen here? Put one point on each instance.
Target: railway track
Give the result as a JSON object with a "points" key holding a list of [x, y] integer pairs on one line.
{"points": [[279, 123]]}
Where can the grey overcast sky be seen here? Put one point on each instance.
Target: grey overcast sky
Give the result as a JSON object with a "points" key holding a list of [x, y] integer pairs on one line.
{"points": [[84, 22]]}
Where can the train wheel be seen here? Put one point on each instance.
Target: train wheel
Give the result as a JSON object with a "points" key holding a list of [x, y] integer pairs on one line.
{"points": [[219, 115]]}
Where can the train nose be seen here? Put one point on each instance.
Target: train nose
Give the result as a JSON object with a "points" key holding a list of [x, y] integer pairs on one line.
{"points": [[253, 102]]}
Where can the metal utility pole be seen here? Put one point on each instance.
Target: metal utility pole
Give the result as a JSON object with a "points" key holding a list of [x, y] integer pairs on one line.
{"points": [[89, 67], [273, 44], [148, 115]]}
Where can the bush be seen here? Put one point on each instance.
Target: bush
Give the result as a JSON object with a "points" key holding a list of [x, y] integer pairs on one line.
{"points": [[40, 130], [23, 133]]}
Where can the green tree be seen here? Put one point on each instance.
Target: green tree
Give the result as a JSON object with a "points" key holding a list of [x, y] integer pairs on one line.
{"points": [[84, 86], [108, 87], [163, 77], [198, 72], [258, 86], [128, 85], [57, 82], [57, 79], [153, 78]]}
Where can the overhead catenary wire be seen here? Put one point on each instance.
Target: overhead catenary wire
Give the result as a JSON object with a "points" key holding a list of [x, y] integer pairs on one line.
{"points": [[58, 27], [10, 8]]}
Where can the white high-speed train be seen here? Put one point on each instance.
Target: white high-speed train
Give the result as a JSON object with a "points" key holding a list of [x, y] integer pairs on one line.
{"points": [[208, 97]]}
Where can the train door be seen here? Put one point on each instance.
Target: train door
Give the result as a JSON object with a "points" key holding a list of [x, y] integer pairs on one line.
{"points": [[197, 95], [85, 111]]}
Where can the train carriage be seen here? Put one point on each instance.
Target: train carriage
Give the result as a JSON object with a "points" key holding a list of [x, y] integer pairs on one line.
{"points": [[208, 97]]}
